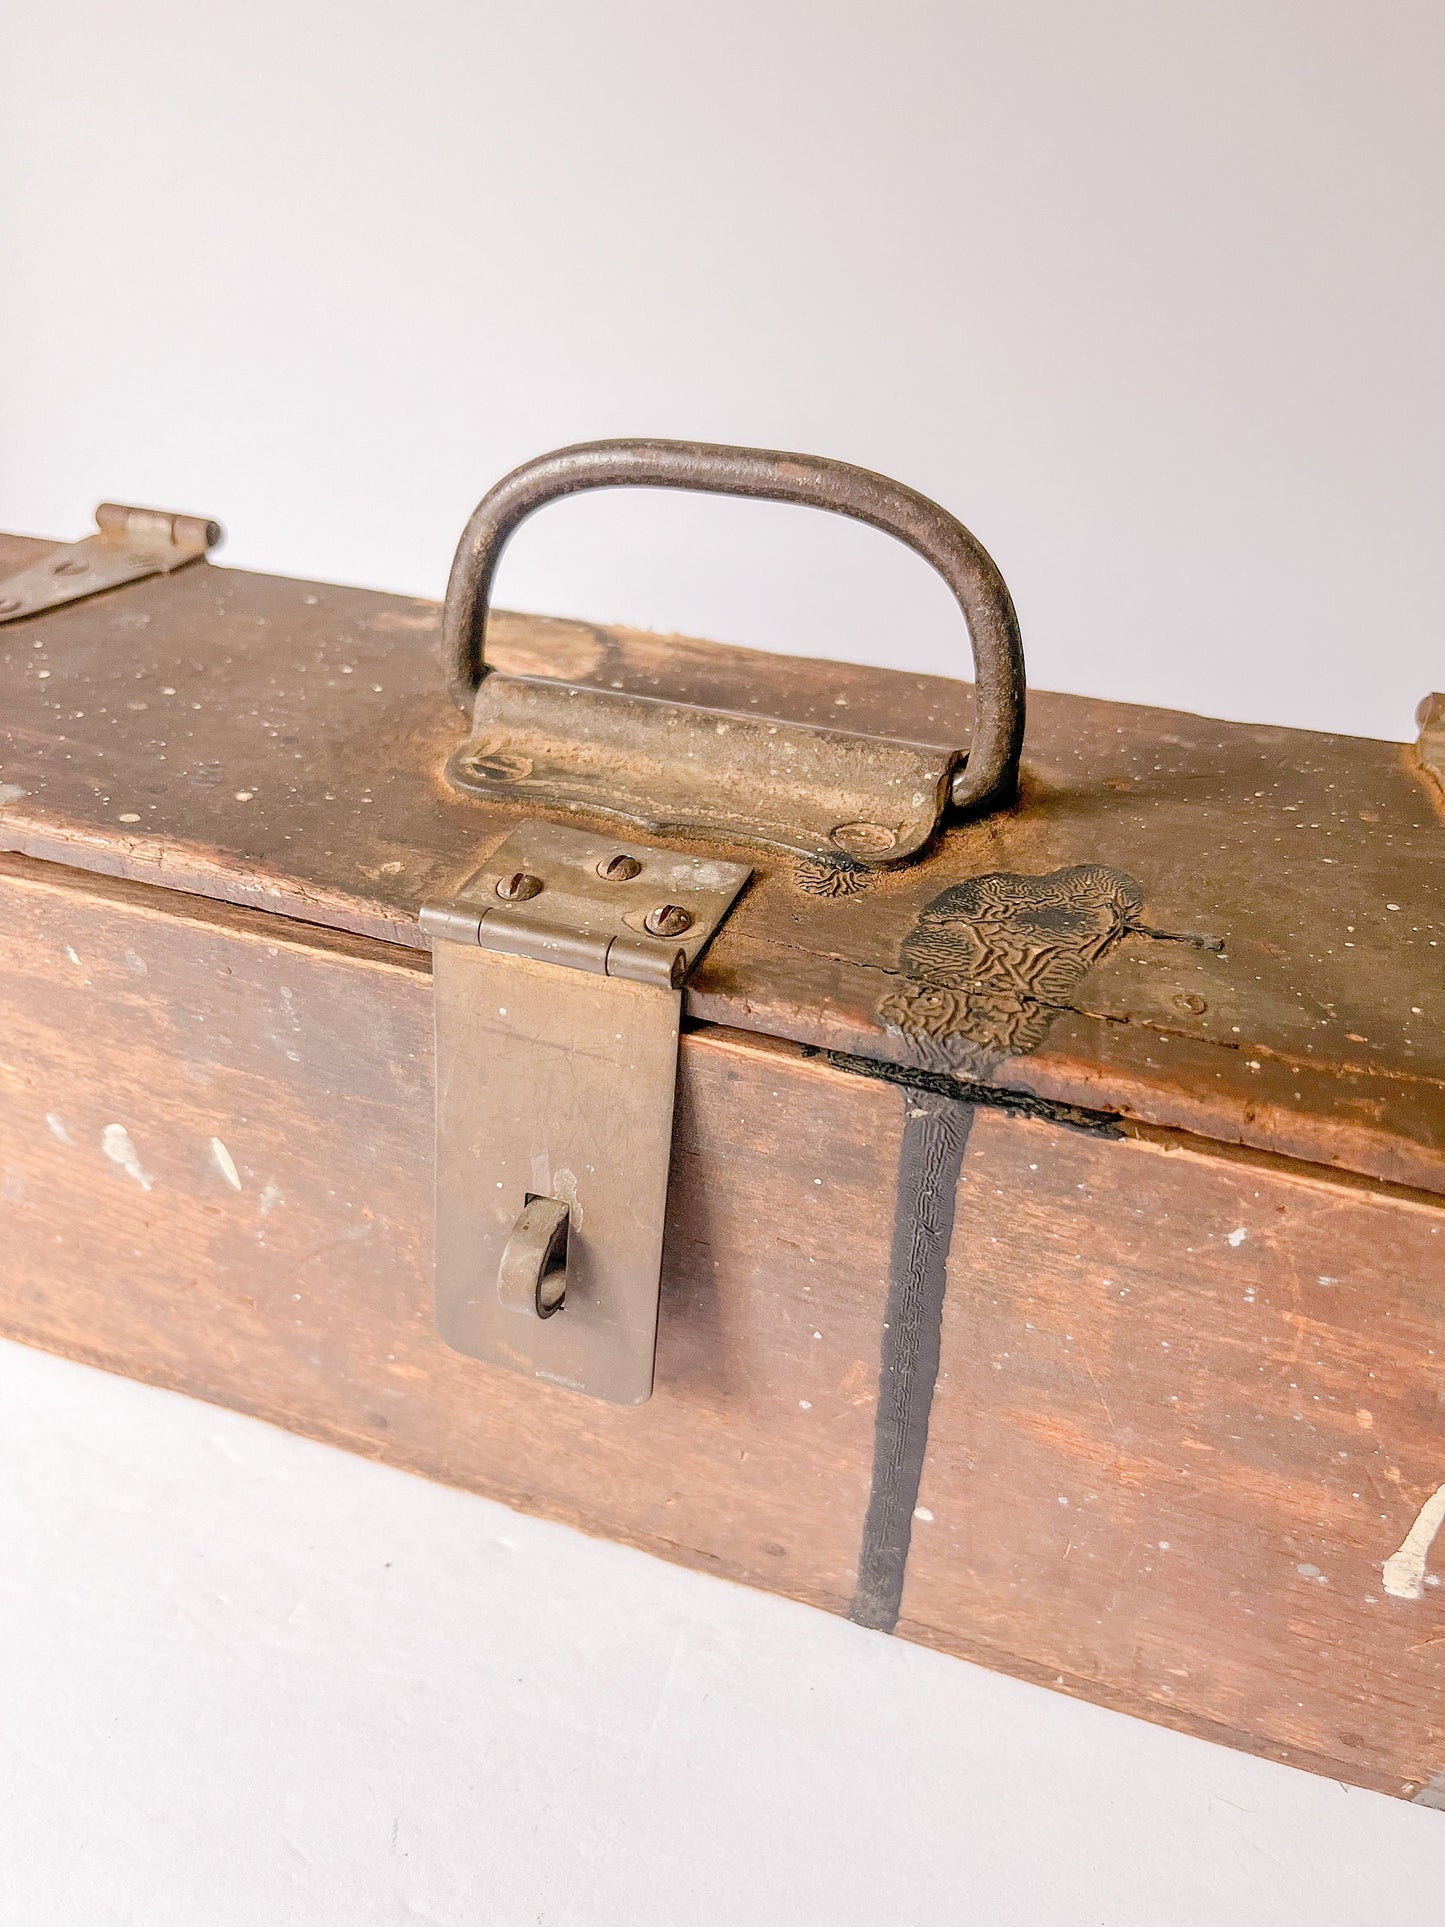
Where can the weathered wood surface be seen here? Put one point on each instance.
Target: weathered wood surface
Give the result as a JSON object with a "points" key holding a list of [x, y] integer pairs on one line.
{"points": [[215, 1166], [1187, 1407], [280, 743], [216, 1174]]}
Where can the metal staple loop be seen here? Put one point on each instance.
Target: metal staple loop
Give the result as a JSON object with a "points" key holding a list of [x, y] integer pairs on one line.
{"points": [[988, 776]]}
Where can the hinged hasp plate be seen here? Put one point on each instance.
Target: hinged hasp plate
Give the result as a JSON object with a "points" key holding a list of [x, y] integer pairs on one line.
{"points": [[558, 971], [129, 543]]}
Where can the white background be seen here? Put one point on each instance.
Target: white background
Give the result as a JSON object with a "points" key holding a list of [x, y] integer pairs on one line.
{"points": [[1151, 296]]}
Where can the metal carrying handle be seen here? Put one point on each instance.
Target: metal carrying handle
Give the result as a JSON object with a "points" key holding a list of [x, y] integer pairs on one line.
{"points": [[988, 774]]}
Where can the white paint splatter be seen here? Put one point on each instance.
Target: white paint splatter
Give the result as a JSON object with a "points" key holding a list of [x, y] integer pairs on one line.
{"points": [[115, 1141], [74, 956], [225, 1164], [56, 1127], [10, 793], [1404, 1571], [270, 1198], [922, 1512], [1237, 1238], [564, 1186]]}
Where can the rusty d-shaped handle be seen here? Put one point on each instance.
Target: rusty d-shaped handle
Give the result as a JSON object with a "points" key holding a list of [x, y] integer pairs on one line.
{"points": [[989, 773]]}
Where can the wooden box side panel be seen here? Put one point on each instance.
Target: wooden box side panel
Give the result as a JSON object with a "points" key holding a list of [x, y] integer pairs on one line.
{"points": [[897, 1332], [215, 1174], [1188, 1409]]}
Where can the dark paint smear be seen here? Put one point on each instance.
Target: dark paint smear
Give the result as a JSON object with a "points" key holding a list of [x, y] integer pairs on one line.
{"points": [[935, 1131]]}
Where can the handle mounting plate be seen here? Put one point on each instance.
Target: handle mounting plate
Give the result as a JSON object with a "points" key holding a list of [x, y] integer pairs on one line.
{"points": [[674, 768]]}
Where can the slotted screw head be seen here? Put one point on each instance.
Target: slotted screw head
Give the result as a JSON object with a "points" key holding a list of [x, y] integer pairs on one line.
{"points": [[620, 868], [517, 887], [668, 920]]}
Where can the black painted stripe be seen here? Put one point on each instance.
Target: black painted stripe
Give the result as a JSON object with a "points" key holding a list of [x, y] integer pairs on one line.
{"points": [[935, 1131], [965, 1090]]}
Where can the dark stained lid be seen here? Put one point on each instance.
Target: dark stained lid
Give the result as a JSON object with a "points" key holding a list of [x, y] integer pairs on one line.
{"points": [[1229, 930]]}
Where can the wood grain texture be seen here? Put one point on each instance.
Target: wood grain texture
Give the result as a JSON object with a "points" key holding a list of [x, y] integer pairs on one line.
{"points": [[136, 1043], [1186, 1409], [280, 744], [215, 1173]]}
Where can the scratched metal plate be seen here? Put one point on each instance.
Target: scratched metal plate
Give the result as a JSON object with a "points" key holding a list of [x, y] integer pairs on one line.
{"points": [[553, 1089], [129, 544], [556, 1019], [673, 768]]}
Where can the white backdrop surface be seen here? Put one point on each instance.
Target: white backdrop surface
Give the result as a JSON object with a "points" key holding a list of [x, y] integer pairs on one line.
{"points": [[248, 1679], [1152, 297]]}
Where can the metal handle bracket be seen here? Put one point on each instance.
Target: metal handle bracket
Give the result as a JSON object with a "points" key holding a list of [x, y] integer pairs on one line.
{"points": [[677, 767]]}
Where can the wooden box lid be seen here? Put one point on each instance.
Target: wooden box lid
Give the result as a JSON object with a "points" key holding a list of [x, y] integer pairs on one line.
{"points": [[1235, 931]]}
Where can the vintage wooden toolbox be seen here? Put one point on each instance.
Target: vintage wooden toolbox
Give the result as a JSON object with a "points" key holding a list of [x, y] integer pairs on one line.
{"points": [[1052, 1165]]}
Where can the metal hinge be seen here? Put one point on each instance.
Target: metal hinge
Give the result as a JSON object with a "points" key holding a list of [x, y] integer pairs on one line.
{"points": [[129, 543], [1430, 748], [558, 971]]}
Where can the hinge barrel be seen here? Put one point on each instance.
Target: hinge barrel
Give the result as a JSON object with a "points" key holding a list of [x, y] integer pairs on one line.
{"points": [[129, 544]]}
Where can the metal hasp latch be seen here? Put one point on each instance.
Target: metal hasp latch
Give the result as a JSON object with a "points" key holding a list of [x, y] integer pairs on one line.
{"points": [[558, 971], [681, 767], [129, 543]]}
